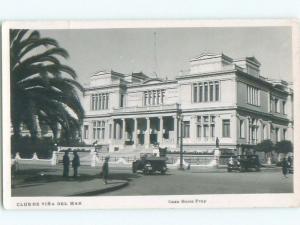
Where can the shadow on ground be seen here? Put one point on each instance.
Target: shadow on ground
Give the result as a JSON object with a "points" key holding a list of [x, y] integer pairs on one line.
{"points": [[36, 177]]}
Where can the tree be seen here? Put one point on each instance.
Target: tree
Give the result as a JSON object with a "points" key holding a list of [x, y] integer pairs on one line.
{"points": [[284, 147], [43, 90], [265, 146]]}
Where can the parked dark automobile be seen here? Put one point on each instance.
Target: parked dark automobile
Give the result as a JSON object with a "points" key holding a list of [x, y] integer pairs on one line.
{"points": [[149, 164], [243, 163]]}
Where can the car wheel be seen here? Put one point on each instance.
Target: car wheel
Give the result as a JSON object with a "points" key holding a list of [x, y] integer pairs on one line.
{"points": [[229, 170]]}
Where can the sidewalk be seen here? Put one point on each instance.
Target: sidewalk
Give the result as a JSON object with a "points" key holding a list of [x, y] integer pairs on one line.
{"points": [[50, 183], [68, 188]]}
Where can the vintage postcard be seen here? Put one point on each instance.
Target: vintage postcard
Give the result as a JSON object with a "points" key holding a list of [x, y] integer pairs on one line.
{"points": [[150, 114]]}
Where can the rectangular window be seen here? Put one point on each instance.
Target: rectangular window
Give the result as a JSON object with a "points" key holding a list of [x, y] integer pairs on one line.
{"points": [[92, 102], [195, 94], [103, 101], [205, 92], [205, 119], [271, 104], [162, 96], [217, 91], [99, 101], [211, 91], [145, 98], [200, 93], [277, 105], [212, 130], [149, 97], [98, 129], [199, 119], [226, 128], [186, 129], [242, 129], [265, 132], [199, 127], [155, 97], [283, 107], [107, 100], [284, 134], [122, 100], [205, 130], [86, 132], [253, 95], [94, 129], [277, 134]]}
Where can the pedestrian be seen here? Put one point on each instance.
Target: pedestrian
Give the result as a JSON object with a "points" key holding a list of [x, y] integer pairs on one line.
{"points": [[105, 171], [75, 163], [66, 163], [285, 166]]}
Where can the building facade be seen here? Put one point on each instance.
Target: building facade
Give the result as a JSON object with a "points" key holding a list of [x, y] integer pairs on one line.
{"points": [[219, 97]]}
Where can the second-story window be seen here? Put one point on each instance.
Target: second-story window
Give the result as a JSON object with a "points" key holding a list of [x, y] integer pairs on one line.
{"points": [[283, 107], [154, 97], [277, 108], [206, 91], [253, 95], [122, 100], [99, 101]]}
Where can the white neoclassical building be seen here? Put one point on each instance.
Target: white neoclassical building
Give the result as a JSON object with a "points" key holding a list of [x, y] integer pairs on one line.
{"points": [[219, 97]]}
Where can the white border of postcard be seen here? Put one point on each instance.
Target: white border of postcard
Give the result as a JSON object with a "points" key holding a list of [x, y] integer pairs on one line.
{"points": [[162, 201]]}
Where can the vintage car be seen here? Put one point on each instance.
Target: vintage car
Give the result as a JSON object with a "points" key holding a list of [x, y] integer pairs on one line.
{"points": [[243, 163], [149, 164]]}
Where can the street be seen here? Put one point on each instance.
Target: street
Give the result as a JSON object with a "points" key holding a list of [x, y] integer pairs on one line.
{"points": [[175, 182], [208, 181]]}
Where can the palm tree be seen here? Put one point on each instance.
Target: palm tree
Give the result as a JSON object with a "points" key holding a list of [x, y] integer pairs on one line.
{"points": [[43, 90]]}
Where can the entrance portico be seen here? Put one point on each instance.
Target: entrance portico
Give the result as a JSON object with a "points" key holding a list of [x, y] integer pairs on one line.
{"points": [[142, 132]]}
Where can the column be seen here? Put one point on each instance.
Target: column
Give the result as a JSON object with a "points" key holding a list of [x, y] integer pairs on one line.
{"points": [[233, 128], [114, 136], [175, 130], [134, 133], [250, 131], [147, 133], [161, 130], [193, 128], [123, 130]]}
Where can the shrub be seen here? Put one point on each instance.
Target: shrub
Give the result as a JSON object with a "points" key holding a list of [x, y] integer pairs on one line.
{"points": [[284, 147], [26, 146]]}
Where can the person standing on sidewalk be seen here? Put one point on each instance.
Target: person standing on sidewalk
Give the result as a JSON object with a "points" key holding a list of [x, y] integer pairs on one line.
{"points": [[285, 166], [75, 163], [105, 171], [66, 163]]}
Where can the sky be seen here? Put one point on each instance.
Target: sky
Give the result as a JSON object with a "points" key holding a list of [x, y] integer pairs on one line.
{"points": [[166, 52]]}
